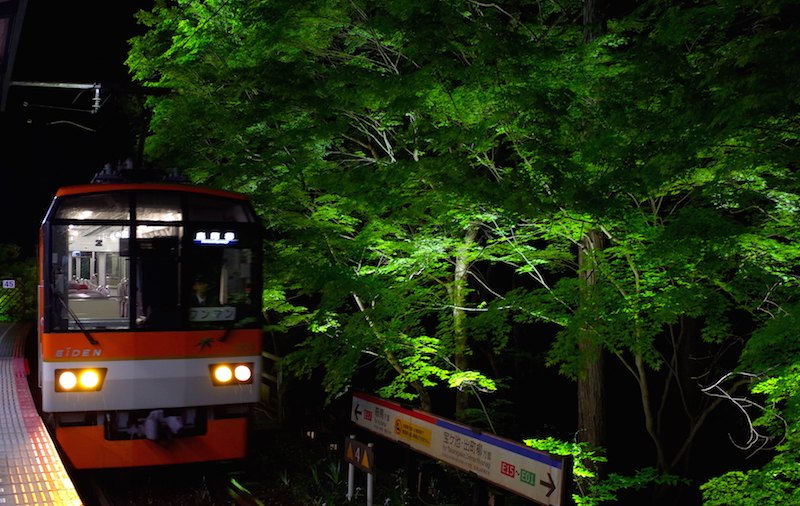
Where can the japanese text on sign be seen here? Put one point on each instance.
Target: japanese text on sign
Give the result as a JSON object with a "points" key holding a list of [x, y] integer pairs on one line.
{"points": [[536, 475], [212, 314]]}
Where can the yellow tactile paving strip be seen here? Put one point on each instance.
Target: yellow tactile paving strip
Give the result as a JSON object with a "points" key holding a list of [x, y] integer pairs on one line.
{"points": [[31, 472]]}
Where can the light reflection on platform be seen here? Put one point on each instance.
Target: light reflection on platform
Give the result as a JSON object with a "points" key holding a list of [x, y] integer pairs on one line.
{"points": [[31, 471]]}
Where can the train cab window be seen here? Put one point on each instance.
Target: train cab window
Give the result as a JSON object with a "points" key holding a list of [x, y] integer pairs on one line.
{"points": [[221, 282], [151, 260], [89, 273], [96, 206]]}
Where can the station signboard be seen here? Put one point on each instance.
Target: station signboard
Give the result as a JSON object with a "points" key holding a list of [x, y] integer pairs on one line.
{"points": [[529, 473]]}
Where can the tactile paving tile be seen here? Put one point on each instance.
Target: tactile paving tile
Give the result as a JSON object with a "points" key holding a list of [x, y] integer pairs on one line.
{"points": [[31, 471]]}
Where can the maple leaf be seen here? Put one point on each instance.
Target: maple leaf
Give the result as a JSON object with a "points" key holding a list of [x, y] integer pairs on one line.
{"points": [[205, 342]]}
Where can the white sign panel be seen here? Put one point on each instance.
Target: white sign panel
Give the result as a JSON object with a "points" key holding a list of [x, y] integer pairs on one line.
{"points": [[536, 475], [212, 314], [9, 283]]}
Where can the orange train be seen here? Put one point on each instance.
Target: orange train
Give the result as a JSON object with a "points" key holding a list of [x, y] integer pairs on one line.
{"points": [[149, 323]]}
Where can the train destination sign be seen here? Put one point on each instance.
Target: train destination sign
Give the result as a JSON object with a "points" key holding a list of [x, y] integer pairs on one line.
{"points": [[529, 473]]}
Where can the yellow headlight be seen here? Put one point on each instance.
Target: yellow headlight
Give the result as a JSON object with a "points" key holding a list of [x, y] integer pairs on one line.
{"points": [[231, 374], [223, 374], [67, 380], [89, 378], [80, 380]]}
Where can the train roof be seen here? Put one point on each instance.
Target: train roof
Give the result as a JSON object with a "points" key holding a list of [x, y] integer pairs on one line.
{"points": [[119, 187]]}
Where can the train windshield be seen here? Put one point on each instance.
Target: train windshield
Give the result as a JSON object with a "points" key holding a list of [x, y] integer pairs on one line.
{"points": [[151, 261]]}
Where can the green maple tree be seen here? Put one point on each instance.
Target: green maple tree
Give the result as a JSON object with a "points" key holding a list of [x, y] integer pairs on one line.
{"points": [[404, 149]]}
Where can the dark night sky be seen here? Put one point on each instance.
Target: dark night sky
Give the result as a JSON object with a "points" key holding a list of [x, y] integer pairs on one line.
{"points": [[41, 145]]}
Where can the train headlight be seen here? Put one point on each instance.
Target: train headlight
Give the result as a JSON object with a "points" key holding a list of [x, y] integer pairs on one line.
{"points": [[231, 374], [67, 380], [89, 379], [243, 373], [223, 374], [80, 380]]}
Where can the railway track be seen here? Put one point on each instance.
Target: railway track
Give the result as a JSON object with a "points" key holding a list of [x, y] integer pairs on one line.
{"points": [[157, 487]]}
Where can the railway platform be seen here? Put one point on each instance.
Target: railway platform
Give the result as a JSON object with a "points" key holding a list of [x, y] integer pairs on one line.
{"points": [[31, 470]]}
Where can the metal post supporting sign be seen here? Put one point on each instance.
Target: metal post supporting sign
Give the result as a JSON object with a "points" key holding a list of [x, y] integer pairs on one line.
{"points": [[358, 455]]}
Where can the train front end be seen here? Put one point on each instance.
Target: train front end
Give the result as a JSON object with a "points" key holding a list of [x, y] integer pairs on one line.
{"points": [[150, 340]]}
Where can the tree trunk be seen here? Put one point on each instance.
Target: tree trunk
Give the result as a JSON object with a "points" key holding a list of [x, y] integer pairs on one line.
{"points": [[594, 22], [458, 297], [591, 385]]}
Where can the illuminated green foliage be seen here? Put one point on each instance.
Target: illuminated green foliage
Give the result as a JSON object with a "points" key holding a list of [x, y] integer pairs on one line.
{"points": [[773, 357], [433, 167], [591, 489]]}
